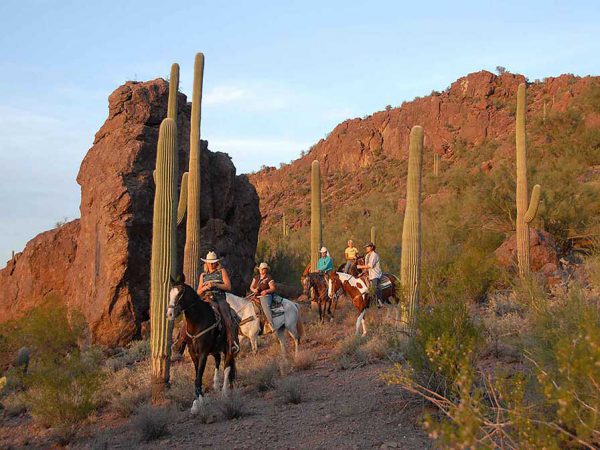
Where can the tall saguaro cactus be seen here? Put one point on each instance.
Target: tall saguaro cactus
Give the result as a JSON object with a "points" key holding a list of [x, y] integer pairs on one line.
{"points": [[173, 89], [191, 255], [526, 210], [284, 227], [315, 214], [410, 266], [164, 254], [374, 235], [436, 165]]}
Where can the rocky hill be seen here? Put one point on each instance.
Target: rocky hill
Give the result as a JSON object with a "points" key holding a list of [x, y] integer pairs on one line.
{"points": [[362, 157], [100, 264]]}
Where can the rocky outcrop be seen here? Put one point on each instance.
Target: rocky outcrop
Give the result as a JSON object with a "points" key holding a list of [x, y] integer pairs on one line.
{"points": [[543, 251], [100, 264]]}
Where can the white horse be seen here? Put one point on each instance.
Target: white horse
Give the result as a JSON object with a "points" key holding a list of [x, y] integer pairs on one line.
{"points": [[250, 323]]}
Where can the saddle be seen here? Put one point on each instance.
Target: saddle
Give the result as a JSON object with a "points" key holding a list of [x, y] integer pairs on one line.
{"points": [[276, 308]]}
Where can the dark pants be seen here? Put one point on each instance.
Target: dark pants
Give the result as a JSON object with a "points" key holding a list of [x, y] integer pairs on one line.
{"points": [[231, 330]]}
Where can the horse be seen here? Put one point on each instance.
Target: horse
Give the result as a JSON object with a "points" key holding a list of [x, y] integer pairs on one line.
{"points": [[389, 282], [204, 338], [358, 292], [320, 287], [250, 324]]}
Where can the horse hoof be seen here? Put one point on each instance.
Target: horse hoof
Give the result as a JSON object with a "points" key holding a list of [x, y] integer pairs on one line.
{"points": [[197, 405]]}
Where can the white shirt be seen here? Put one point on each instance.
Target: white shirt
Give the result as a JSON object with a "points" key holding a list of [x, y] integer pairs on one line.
{"points": [[372, 259]]}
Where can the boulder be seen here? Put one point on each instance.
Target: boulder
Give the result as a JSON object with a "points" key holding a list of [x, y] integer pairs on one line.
{"points": [[543, 252], [100, 264]]}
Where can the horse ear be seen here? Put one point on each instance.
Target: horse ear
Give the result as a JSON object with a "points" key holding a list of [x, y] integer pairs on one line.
{"points": [[179, 279], [173, 280]]}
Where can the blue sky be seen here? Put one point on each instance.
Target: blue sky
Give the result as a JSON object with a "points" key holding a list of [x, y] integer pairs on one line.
{"points": [[278, 77]]}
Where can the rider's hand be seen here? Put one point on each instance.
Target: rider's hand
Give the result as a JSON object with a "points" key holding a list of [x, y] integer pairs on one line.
{"points": [[263, 293]]}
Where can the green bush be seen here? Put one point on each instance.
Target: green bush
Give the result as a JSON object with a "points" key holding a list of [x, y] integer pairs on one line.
{"points": [[61, 387]]}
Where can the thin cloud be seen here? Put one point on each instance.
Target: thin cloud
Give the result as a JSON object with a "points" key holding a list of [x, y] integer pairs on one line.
{"points": [[249, 98], [221, 95]]}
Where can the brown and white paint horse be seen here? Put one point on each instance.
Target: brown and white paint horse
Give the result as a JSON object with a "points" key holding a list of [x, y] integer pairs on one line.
{"points": [[389, 283]]}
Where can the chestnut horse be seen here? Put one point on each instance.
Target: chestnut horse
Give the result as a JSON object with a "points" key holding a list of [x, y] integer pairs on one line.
{"points": [[319, 285]]}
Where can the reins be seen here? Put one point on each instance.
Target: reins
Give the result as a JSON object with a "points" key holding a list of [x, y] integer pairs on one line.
{"points": [[193, 337]]}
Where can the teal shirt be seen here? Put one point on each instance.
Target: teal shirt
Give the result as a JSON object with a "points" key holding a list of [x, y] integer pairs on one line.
{"points": [[325, 264]]}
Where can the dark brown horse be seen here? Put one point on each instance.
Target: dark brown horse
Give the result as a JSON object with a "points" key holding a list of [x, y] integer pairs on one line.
{"points": [[204, 337], [318, 283]]}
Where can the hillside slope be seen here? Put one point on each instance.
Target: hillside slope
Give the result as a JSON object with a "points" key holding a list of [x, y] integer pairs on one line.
{"points": [[471, 127]]}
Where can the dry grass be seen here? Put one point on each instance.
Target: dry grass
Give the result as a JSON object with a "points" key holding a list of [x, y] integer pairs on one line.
{"points": [[304, 360], [152, 423], [232, 406], [291, 390], [181, 391], [14, 405], [126, 390]]}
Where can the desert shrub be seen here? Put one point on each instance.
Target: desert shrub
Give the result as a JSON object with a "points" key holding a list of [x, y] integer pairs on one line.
{"points": [[64, 392], [63, 380], [446, 341], [152, 423], [135, 352], [291, 390], [14, 405], [232, 406], [265, 377]]}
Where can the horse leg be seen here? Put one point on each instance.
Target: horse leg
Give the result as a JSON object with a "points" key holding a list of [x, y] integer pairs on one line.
{"points": [[228, 374], [359, 321], [296, 337], [364, 323], [216, 377], [200, 364], [281, 338]]}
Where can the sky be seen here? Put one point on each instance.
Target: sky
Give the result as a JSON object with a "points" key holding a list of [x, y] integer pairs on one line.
{"points": [[279, 75]]}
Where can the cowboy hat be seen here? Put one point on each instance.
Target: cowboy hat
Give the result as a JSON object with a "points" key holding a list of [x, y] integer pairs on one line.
{"points": [[323, 249], [264, 265], [211, 257], [370, 244]]}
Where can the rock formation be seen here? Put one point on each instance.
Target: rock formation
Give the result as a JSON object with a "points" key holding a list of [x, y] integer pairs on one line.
{"points": [[99, 264]]}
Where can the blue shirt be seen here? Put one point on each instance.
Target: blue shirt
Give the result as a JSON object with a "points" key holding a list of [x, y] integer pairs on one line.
{"points": [[325, 264]]}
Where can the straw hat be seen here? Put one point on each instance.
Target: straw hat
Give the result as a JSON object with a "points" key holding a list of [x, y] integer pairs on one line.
{"points": [[211, 257], [264, 265], [323, 249]]}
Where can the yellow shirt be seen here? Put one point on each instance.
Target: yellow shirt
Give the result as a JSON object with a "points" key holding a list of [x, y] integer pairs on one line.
{"points": [[350, 253]]}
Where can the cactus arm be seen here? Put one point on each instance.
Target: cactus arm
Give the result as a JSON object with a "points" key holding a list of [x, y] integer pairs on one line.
{"points": [[173, 88], [534, 204], [183, 195], [191, 255], [373, 235]]}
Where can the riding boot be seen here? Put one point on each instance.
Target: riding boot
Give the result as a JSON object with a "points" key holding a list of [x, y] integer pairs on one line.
{"points": [[179, 345], [265, 302]]}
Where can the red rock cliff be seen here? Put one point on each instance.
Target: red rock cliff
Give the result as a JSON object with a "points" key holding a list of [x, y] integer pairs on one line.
{"points": [[100, 264]]}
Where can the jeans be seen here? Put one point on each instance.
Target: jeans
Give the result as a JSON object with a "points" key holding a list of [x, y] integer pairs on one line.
{"points": [[376, 282], [348, 265], [265, 302]]}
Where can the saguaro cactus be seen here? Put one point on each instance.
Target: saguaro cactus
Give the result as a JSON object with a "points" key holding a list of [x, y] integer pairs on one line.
{"points": [[373, 235], [436, 165], [315, 214], [164, 254], [284, 227], [173, 89], [191, 255], [526, 211], [410, 267]]}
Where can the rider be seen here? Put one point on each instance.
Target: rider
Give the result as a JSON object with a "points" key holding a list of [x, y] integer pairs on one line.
{"points": [[350, 254], [325, 266], [213, 285], [263, 285], [373, 265]]}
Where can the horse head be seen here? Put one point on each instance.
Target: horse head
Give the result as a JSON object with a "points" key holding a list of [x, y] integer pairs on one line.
{"points": [[176, 294]]}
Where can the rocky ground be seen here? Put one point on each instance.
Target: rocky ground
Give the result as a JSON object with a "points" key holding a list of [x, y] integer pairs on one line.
{"points": [[341, 402]]}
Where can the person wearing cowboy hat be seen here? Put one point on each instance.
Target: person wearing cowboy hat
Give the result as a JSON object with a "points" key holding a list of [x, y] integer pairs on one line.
{"points": [[213, 285], [263, 286], [325, 263], [373, 265]]}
